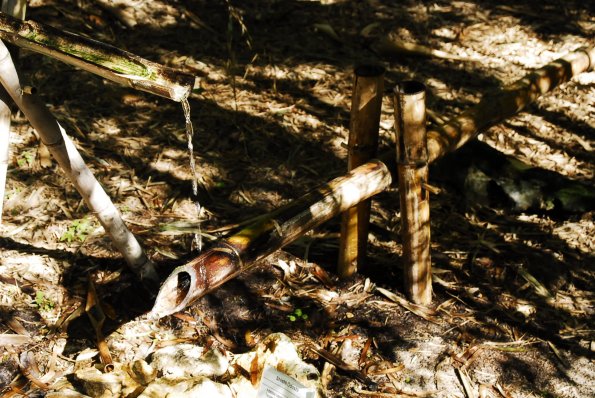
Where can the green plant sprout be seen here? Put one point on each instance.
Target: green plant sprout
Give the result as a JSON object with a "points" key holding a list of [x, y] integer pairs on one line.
{"points": [[78, 230], [297, 314], [42, 302], [26, 159]]}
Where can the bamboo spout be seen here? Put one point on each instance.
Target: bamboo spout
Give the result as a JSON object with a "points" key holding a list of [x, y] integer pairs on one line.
{"points": [[96, 57], [188, 282]]}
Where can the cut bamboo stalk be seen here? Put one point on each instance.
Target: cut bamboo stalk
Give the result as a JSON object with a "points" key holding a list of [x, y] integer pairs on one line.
{"points": [[412, 169], [96, 57], [61, 147], [362, 145], [4, 148], [493, 108], [188, 282]]}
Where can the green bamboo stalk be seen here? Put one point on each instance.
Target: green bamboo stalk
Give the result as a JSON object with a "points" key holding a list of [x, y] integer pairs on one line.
{"points": [[96, 57]]}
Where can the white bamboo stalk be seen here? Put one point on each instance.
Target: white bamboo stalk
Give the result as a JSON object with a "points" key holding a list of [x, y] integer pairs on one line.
{"points": [[17, 9], [4, 146], [70, 160]]}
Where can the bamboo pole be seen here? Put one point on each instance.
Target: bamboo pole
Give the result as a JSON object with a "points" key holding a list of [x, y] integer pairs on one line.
{"points": [[96, 57], [61, 147], [17, 9], [188, 282], [5, 114], [493, 108], [362, 145], [412, 169]]}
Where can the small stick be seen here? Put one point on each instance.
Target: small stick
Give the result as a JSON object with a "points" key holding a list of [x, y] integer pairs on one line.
{"points": [[339, 363], [97, 317], [363, 144], [412, 168]]}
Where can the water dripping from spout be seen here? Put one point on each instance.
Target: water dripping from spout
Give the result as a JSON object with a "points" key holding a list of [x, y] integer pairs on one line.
{"points": [[190, 137]]}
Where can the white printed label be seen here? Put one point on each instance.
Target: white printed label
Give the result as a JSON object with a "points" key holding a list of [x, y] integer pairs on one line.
{"points": [[275, 384]]}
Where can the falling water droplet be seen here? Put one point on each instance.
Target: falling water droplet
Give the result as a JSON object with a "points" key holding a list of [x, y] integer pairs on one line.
{"points": [[190, 137]]}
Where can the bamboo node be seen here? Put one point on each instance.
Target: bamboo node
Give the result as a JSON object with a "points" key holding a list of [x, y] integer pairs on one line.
{"points": [[228, 248]]}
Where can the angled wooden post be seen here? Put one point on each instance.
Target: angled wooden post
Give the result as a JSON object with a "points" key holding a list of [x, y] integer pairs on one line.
{"points": [[362, 146], [15, 8], [4, 148], [412, 169], [70, 160]]}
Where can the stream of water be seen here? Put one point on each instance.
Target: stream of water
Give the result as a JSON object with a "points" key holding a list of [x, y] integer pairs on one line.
{"points": [[190, 137]]}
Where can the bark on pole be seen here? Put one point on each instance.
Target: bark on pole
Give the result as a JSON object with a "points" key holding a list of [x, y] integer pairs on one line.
{"points": [[362, 146], [412, 169], [70, 160], [230, 256], [96, 57]]}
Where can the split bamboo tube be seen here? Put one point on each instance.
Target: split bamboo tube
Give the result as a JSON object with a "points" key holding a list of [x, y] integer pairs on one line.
{"points": [[412, 169], [230, 256], [96, 57], [70, 160], [362, 146]]}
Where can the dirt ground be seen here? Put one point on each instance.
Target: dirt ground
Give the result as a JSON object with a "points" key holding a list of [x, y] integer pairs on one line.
{"points": [[513, 291]]}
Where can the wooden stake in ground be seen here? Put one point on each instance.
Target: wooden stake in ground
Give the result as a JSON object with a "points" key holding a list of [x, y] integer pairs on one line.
{"points": [[70, 160], [412, 169], [362, 145], [96, 57], [188, 282]]}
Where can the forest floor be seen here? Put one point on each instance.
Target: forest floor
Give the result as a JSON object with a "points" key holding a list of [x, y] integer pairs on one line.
{"points": [[513, 290]]}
